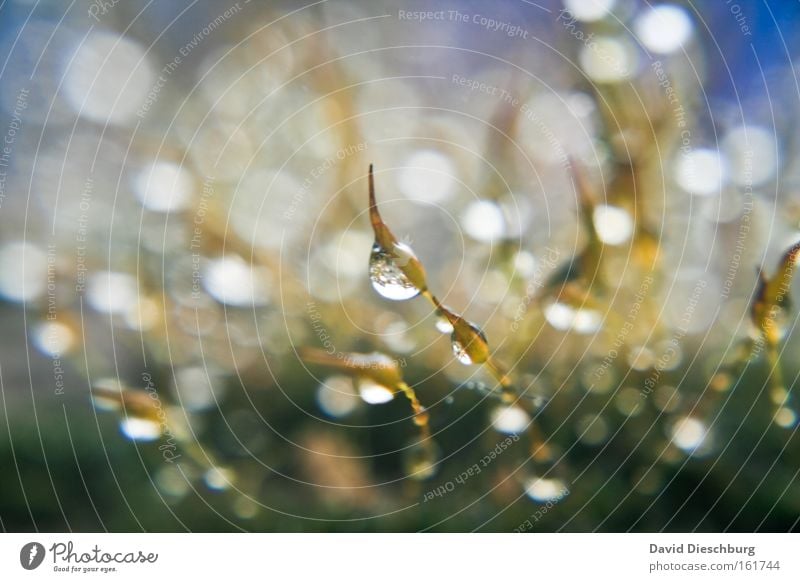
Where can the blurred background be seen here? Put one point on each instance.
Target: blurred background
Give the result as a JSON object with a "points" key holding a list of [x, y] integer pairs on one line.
{"points": [[594, 183]]}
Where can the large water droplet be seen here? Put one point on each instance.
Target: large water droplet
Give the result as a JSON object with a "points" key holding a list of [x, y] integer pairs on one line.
{"points": [[386, 275]]}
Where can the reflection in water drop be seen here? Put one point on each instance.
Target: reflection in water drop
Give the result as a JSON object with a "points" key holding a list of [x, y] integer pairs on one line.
{"points": [[385, 273], [461, 351], [140, 429]]}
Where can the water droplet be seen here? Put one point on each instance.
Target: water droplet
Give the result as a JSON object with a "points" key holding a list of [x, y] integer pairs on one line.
{"points": [[483, 220], [587, 321], [421, 459], [111, 291], [443, 324], [140, 429], [509, 419], [23, 271], [689, 434], [564, 317], [614, 225], [752, 152], [108, 78], [785, 417], [461, 353], [589, 11], [53, 338], [218, 478], [164, 187], [231, 280], [387, 277], [337, 397], [546, 490], [701, 172], [608, 59], [373, 393], [463, 349], [663, 29]]}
